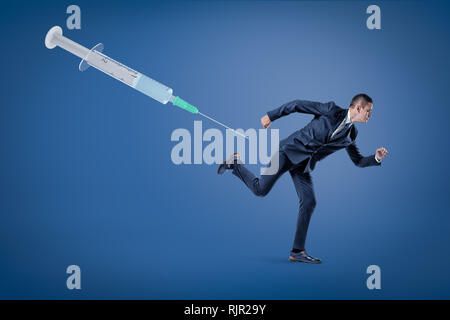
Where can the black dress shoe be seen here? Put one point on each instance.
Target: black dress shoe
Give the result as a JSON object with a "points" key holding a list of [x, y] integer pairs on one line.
{"points": [[303, 257], [228, 164]]}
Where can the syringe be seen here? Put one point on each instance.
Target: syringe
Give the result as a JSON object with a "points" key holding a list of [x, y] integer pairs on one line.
{"points": [[117, 70]]}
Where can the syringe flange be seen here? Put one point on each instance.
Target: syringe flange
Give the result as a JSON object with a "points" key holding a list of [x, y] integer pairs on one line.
{"points": [[84, 62]]}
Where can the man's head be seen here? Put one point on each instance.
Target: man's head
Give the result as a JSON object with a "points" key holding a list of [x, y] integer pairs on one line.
{"points": [[361, 108]]}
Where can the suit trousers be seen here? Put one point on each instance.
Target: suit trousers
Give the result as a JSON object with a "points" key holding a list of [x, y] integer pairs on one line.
{"points": [[261, 186]]}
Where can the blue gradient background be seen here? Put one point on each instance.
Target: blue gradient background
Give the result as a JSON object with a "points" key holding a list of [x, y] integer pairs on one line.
{"points": [[87, 179]]}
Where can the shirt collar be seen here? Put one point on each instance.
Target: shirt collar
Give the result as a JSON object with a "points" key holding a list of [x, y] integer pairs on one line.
{"points": [[347, 118]]}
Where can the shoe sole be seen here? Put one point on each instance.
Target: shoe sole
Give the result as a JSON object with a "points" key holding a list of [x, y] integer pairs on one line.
{"points": [[225, 163], [220, 167], [305, 261]]}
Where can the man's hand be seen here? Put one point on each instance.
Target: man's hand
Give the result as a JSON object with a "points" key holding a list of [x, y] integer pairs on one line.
{"points": [[265, 121], [381, 153]]}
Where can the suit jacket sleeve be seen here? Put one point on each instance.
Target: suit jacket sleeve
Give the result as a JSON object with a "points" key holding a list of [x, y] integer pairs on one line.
{"points": [[358, 159], [302, 106]]}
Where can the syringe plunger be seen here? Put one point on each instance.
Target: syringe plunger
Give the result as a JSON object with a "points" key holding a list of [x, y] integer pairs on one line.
{"points": [[55, 38]]}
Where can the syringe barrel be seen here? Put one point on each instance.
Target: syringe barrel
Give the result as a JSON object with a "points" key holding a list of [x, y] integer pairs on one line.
{"points": [[134, 79], [152, 88]]}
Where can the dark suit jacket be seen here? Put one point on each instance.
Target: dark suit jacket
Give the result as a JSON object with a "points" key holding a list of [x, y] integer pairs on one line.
{"points": [[313, 142]]}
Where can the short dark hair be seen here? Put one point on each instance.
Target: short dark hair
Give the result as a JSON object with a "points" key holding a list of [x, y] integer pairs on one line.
{"points": [[359, 98]]}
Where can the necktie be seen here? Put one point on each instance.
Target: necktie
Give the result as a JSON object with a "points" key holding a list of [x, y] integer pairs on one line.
{"points": [[342, 126]]}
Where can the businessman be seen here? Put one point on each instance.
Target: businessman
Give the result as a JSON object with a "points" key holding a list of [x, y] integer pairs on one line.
{"points": [[331, 129]]}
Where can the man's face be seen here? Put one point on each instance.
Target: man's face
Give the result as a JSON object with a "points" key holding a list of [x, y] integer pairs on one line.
{"points": [[364, 112]]}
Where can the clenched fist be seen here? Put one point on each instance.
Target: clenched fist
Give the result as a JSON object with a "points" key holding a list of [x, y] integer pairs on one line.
{"points": [[265, 121], [381, 153]]}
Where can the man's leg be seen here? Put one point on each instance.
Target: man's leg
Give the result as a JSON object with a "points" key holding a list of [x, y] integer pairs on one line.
{"points": [[261, 186], [307, 203]]}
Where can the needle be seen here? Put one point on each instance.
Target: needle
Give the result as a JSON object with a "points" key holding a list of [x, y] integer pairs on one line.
{"points": [[242, 135]]}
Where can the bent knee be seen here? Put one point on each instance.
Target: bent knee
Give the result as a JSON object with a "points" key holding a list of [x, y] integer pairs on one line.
{"points": [[260, 192]]}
